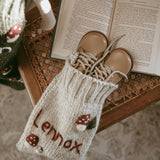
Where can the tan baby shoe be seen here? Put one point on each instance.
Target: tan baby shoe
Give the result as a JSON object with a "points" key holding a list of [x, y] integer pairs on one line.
{"points": [[90, 49], [117, 65]]}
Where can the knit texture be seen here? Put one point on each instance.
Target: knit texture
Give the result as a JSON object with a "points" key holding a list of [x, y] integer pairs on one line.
{"points": [[53, 121], [11, 13], [7, 56], [11, 16], [10, 76]]}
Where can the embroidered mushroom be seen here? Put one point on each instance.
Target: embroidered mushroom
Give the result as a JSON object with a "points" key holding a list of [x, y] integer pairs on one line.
{"points": [[13, 33], [32, 140], [83, 122]]}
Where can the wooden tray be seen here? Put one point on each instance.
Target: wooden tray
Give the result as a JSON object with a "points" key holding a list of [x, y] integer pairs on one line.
{"points": [[37, 71]]}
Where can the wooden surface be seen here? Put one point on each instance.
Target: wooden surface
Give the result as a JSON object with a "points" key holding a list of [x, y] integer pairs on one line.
{"points": [[28, 76], [142, 97], [108, 117], [123, 111]]}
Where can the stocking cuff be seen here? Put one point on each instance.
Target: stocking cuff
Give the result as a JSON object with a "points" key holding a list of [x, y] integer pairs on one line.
{"points": [[86, 88]]}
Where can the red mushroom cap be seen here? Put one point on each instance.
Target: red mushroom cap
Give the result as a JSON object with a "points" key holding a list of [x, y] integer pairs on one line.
{"points": [[32, 140], [84, 119], [15, 30]]}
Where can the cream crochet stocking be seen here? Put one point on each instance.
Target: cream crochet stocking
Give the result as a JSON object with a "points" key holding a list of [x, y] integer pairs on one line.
{"points": [[11, 13], [64, 121]]}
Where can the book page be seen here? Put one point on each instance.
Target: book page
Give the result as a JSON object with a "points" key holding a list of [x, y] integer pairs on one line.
{"points": [[139, 20], [77, 17]]}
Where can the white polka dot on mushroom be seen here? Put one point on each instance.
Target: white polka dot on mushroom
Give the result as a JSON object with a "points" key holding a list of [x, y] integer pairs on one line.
{"points": [[15, 27]]}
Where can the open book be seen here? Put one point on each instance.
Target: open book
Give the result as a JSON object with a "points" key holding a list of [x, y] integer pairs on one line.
{"points": [[139, 20]]}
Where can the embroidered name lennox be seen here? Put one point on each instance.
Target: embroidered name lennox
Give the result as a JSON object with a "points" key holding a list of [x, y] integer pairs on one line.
{"points": [[48, 129]]}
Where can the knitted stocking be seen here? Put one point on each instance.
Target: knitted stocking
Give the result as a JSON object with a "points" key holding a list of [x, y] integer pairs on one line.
{"points": [[12, 20], [64, 121]]}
